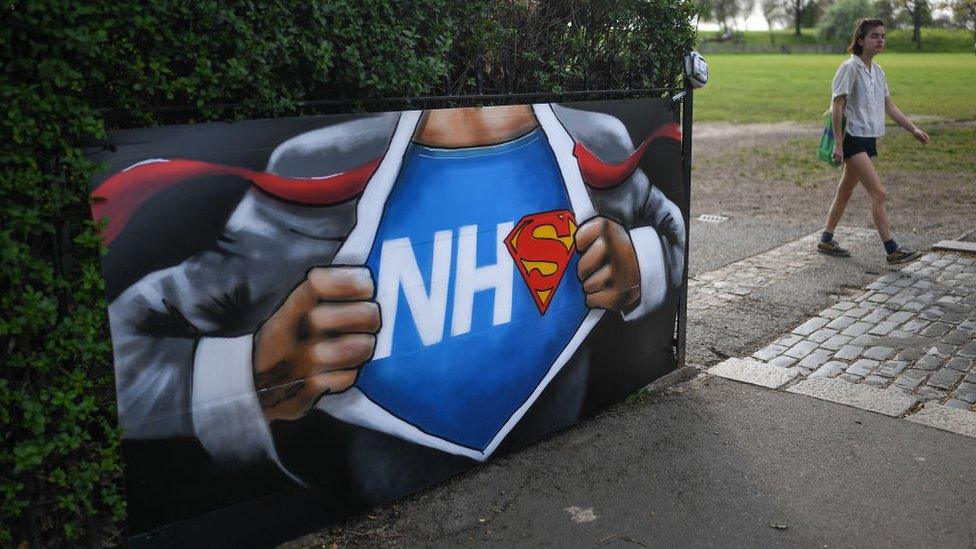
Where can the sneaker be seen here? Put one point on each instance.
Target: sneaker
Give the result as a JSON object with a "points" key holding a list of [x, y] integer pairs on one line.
{"points": [[832, 248], [901, 255]]}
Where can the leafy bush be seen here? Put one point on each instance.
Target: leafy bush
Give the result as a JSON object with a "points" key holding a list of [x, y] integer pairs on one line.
{"points": [[73, 70], [837, 23], [567, 45]]}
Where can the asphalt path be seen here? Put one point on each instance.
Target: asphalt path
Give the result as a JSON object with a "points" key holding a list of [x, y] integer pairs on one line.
{"points": [[712, 462], [757, 320], [718, 464]]}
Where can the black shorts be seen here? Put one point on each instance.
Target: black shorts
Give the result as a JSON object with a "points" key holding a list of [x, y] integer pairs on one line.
{"points": [[854, 145]]}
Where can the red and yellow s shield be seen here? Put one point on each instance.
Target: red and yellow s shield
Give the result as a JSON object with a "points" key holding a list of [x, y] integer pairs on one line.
{"points": [[541, 245]]}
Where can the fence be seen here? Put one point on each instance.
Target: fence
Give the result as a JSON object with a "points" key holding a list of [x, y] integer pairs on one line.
{"points": [[470, 232]]}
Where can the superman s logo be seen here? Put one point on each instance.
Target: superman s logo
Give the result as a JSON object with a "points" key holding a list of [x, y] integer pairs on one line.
{"points": [[541, 245]]}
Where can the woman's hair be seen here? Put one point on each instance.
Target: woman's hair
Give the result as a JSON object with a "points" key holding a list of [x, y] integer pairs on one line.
{"points": [[861, 29]]}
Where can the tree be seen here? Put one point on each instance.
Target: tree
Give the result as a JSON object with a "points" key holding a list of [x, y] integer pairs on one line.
{"points": [[704, 8], [964, 14], [795, 10], [837, 22], [722, 12], [920, 13], [772, 12], [743, 9], [887, 11]]}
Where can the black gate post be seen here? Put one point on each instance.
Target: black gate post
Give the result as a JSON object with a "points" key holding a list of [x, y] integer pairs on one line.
{"points": [[687, 113]]}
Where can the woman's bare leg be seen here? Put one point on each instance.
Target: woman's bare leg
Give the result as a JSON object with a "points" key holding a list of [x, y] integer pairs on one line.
{"points": [[864, 168], [845, 188]]}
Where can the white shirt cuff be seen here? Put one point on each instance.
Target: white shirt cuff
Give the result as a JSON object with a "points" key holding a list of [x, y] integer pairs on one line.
{"points": [[653, 271], [227, 417]]}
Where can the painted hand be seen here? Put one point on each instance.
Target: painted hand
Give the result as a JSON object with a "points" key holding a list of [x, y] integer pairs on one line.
{"points": [[607, 265], [315, 343]]}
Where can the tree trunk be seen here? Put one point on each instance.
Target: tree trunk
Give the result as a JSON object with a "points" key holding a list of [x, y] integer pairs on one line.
{"points": [[917, 27], [798, 10]]}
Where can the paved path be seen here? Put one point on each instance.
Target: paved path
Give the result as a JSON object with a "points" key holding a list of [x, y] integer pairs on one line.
{"points": [[738, 280], [709, 463], [906, 344]]}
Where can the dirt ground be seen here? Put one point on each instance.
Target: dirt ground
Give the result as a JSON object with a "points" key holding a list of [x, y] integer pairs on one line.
{"points": [[759, 171]]}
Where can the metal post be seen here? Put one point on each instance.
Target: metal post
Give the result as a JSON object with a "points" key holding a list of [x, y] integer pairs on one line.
{"points": [[686, 125]]}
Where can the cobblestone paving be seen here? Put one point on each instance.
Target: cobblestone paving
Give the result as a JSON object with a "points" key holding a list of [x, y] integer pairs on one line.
{"points": [[913, 330], [736, 281]]}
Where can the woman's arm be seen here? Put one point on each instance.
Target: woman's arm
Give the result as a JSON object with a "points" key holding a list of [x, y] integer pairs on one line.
{"points": [[895, 113], [837, 118]]}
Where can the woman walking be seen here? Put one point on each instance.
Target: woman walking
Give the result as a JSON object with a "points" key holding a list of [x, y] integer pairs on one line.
{"points": [[860, 93]]}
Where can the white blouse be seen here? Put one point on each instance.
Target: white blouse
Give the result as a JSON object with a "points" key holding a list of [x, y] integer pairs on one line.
{"points": [[866, 90]]}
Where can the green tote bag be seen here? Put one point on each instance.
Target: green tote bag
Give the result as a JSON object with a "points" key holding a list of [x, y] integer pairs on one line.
{"points": [[826, 150]]}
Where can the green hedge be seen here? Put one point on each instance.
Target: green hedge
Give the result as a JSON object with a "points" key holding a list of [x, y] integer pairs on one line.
{"points": [[71, 71]]}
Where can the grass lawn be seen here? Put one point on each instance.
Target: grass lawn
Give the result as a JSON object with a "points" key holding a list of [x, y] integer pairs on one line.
{"points": [[795, 160], [951, 150], [776, 87]]}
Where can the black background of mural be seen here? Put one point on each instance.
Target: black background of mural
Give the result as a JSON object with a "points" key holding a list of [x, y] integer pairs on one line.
{"points": [[175, 491]]}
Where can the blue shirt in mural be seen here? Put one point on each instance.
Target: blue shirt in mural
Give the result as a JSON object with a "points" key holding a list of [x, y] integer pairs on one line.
{"points": [[465, 338]]}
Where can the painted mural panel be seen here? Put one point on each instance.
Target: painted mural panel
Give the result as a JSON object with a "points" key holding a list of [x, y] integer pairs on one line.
{"points": [[314, 315]]}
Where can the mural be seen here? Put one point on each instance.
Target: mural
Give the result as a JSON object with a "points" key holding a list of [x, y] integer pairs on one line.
{"points": [[315, 315]]}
